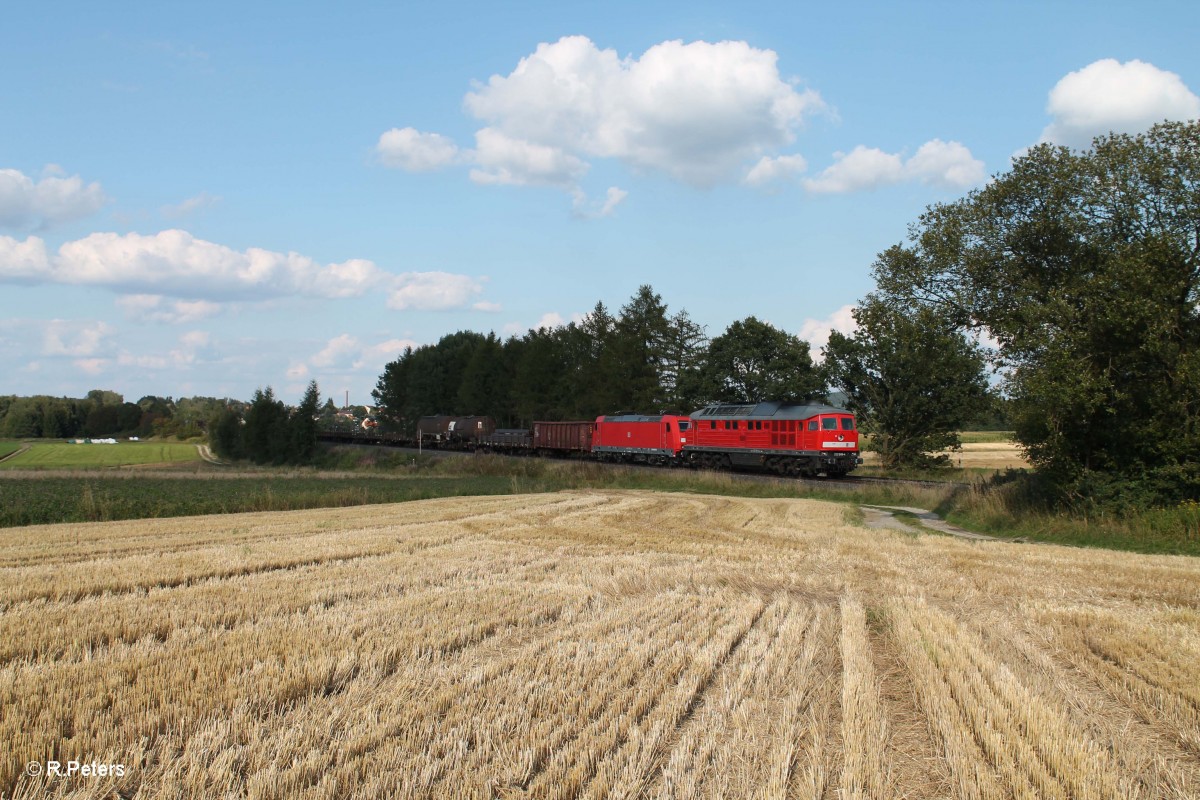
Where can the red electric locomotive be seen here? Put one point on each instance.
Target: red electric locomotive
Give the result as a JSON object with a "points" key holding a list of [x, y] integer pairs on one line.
{"points": [[656, 439], [783, 438]]}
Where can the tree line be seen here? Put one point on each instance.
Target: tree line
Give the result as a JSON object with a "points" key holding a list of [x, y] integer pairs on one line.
{"points": [[642, 358], [104, 413]]}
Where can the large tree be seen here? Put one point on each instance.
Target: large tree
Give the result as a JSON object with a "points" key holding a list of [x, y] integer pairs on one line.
{"points": [[1085, 267], [754, 361], [912, 379]]}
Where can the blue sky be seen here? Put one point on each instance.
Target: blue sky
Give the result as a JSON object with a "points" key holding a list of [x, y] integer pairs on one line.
{"points": [[209, 198]]}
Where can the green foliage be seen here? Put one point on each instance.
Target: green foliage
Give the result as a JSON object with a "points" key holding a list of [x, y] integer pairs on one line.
{"points": [[755, 361], [1085, 267], [641, 359], [912, 379], [269, 432]]}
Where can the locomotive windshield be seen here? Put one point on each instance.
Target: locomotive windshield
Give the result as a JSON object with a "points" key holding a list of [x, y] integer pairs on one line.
{"points": [[847, 423], [829, 423], [683, 426]]}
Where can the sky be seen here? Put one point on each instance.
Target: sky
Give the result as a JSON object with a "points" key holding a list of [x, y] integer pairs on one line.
{"points": [[208, 198]]}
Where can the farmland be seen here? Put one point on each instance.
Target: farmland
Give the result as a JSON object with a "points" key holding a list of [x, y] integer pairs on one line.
{"points": [[65, 455], [591, 644]]}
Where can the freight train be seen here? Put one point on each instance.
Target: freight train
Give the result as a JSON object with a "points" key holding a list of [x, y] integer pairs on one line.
{"points": [[784, 438]]}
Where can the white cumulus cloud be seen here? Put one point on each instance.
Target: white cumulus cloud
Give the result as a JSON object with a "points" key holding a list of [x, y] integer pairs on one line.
{"points": [[75, 339], [700, 112], [196, 273], [433, 291], [816, 331], [1109, 96], [769, 170], [943, 164], [156, 308], [502, 159], [48, 202], [412, 150], [861, 168], [337, 351], [696, 111]]}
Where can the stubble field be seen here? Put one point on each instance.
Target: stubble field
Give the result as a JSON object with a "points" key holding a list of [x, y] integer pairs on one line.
{"points": [[590, 644]]}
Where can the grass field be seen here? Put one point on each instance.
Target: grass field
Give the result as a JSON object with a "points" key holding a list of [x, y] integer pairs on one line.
{"points": [[7, 448], [64, 455], [591, 644]]}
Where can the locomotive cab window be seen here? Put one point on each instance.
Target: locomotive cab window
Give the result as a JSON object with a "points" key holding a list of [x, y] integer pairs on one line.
{"points": [[847, 423], [812, 424], [668, 427], [683, 426], [829, 423]]}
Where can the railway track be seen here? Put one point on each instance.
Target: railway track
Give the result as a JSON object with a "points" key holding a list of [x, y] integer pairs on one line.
{"points": [[848, 482]]}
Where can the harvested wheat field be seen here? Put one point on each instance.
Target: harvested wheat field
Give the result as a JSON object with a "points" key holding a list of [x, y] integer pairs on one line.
{"points": [[591, 645], [974, 455]]}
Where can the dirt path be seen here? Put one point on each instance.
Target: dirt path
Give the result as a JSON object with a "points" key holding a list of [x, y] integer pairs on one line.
{"points": [[885, 517], [14, 454]]}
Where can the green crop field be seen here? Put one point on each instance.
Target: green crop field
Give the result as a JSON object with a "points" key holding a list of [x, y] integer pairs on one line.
{"points": [[64, 455], [9, 447]]}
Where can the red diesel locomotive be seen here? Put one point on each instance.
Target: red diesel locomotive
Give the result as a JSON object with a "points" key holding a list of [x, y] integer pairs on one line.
{"points": [[788, 439]]}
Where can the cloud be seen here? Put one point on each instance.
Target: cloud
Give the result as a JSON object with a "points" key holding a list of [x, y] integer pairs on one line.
{"points": [[346, 353], [23, 262], [75, 339], [175, 264], [938, 163], [374, 357], [92, 366], [948, 165], [816, 331], [51, 201], [191, 205], [697, 112], [502, 159], [412, 150], [182, 356], [1109, 96], [433, 291], [861, 168], [769, 170], [337, 350], [156, 308], [585, 209]]}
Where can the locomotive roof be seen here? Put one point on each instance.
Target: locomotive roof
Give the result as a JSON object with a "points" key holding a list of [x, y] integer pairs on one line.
{"points": [[628, 417], [767, 410]]}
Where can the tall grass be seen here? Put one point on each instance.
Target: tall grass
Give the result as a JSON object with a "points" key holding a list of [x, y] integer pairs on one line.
{"points": [[1007, 509]]}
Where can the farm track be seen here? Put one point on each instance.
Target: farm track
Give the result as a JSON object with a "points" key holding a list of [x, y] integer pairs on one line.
{"points": [[591, 644]]}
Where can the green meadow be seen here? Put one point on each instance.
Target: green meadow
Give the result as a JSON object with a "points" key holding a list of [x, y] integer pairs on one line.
{"points": [[65, 455]]}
